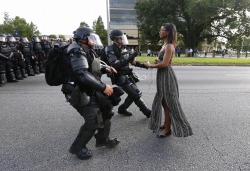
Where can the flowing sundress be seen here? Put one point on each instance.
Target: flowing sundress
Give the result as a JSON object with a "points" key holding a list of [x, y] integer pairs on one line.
{"points": [[167, 90]]}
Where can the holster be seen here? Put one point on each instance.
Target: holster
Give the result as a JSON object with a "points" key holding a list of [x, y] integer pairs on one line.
{"points": [[75, 96], [134, 77]]}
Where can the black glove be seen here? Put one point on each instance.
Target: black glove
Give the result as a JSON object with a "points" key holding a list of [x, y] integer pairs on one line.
{"points": [[132, 56]]}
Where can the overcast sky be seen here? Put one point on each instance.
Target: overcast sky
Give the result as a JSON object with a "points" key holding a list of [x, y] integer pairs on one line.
{"points": [[54, 16]]}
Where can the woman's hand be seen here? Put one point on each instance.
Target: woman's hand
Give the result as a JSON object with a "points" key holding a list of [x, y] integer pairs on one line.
{"points": [[147, 64], [157, 61]]}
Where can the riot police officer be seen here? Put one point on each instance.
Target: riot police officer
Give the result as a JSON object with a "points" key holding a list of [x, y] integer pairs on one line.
{"points": [[45, 45], [124, 77], [88, 95], [39, 55], [6, 67], [26, 49], [18, 60]]}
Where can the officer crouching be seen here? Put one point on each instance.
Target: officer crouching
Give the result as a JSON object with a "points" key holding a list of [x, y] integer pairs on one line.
{"points": [[93, 99]]}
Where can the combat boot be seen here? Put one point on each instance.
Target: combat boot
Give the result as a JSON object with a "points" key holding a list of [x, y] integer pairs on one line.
{"points": [[84, 154], [107, 143], [17, 73]]}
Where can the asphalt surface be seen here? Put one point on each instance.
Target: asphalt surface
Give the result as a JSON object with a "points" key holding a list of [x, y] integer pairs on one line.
{"points": [[38, 126]]}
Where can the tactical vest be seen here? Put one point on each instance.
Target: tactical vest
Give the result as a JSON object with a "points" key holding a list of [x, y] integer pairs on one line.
{"points": [[5, 50], [13, 47], [38, 47], [46, 45], [26, 49]]}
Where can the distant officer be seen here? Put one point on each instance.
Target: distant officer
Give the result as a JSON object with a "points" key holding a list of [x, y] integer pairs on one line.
{"points": [[6, 67], [39, 55], [26, 49], [90, 96], [46, 45], [18, 60]]}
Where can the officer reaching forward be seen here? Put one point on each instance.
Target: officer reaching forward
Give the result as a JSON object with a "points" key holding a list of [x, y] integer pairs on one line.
{"points": [[87, 94], [124, 77]]}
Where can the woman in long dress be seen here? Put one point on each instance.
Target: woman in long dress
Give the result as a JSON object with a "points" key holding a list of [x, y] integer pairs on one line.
{"points": [[167, 95]]}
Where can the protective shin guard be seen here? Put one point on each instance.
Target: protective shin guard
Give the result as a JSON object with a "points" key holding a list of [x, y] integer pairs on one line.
{"points": [[23, 73], [11, 76], [123, 108], [2, 75], [102, 137], [30, 71], [81, 140], [17, 73], [2, 79], [146, 111]]}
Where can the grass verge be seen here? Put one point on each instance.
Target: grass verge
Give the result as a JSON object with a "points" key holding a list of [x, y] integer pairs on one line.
{"points": [[202, 61]]}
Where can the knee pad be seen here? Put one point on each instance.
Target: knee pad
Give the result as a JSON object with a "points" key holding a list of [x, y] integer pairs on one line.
{"points": [[132, 91]]}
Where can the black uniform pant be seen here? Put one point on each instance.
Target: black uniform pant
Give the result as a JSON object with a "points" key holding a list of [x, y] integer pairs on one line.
{"points": [[134, 95], [91, 112], [39, 61]]}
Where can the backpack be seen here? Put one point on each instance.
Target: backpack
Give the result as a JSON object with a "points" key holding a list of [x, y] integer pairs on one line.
{"points": [[54, 66]]}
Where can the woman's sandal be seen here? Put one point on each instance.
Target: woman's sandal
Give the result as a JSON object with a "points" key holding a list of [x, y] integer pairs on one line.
{"points": [[164, 135], [162, 127]]}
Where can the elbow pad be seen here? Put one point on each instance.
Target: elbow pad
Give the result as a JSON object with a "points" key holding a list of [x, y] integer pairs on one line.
{"points": [[87, 79]]}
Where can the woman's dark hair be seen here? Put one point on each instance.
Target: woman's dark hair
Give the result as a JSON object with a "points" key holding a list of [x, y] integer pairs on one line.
{"points": [[172, 33]]}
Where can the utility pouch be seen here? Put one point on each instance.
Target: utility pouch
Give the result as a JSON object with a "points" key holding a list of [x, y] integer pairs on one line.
{"points": [[68, 88], [135, 77], [79, 98]]}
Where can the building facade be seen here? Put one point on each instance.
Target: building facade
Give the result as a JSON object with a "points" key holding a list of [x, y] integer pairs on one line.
{"points": [[122, 15]]}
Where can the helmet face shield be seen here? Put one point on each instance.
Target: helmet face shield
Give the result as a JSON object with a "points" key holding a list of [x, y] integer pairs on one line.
{"points": [[2, 39], [124, 39], [11, 39], [36, 39], [95, 40], [44, 37], [25, 40]]}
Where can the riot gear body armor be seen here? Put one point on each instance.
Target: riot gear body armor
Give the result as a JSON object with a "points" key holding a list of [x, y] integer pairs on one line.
{"points": [[6, 65], [39, 54], [124, 78], [84, 70], [27, 52]]}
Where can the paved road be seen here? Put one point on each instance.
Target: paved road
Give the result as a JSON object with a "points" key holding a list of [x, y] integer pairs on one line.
{"points": [[37, 126]]}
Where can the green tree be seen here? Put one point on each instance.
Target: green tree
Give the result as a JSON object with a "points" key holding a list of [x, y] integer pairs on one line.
{"points": [[62, 37], [18, 25], [53, 36], [196, 20], [99, 29], [83, 24]]}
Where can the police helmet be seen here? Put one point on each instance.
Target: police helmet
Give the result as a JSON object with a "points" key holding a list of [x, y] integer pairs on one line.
{"points": [[114, 34], [10, 38], [35, 38], [82, 33], [2, 38], [44, 37], [85, 33], [24, 39]]}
